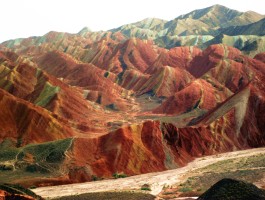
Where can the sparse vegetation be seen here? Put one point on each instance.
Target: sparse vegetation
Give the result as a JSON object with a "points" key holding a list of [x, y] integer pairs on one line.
{"points": [[110, 196], [250, 169], [8, 154], [7, 167], [33, 187], [49, 151], [185, 189], [44, 156], [32, 160], [146, 187], [96, 178], [119, 175], [48, 92]]}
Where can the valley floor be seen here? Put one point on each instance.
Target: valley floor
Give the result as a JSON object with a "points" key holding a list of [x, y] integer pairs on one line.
{"points": [[157, 180]]}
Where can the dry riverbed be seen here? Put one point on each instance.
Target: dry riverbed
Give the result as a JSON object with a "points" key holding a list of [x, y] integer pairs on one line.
{"points": [[157, 180]]}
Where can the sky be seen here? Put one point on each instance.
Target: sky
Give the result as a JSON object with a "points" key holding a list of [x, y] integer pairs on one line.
{"points": [[25, 18]]}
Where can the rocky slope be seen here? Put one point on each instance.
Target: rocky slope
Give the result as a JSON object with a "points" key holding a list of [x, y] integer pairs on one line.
{"points": [[79, 106], [256, 28]]}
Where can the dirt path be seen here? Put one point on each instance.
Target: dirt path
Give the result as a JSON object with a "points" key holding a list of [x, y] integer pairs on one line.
{"points": [[157, 180]]}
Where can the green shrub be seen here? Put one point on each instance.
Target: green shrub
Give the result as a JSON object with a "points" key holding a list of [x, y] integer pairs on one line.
{"points": [[8, 154], [50, 151], [5, 167], [32, 187], [146, 187], [31, 168], [55, 156], [185, 189], [117, 175], [36, 168], [95, 178]]}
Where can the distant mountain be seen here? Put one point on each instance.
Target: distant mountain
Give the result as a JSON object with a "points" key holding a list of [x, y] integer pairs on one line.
{"points": [[148, 28], [248, 44], [205, 21], [221, 16], [257, 28], [199, 28]]}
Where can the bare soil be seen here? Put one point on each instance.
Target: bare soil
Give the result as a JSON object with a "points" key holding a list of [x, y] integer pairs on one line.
{"points": [[157, 181]]}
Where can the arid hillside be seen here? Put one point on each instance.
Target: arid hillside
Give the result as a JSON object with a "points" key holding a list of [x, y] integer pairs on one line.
{"points": [[145, 97]]}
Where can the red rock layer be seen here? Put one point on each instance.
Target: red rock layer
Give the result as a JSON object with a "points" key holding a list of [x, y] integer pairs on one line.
{"points": [[200, 94], [165, 81], [27, 123], [176, 57], [25, 80], [131, 54], [260, 57], [154, 146], [214, 55], [97, 85], [131, 150]]}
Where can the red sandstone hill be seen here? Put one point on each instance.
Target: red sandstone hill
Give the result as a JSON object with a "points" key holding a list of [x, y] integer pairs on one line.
{"points": [[97, 85], [131, 54], [82, 106], [25, 80], [176, 57], [26, 123], [221, 130], [198, 94]]}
